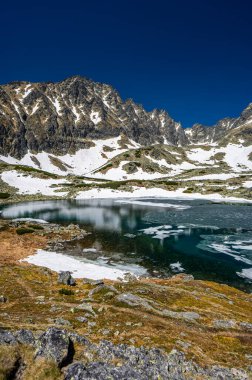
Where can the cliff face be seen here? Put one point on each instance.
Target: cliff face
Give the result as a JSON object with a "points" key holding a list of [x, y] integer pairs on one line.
{"points": [[64, 117]]}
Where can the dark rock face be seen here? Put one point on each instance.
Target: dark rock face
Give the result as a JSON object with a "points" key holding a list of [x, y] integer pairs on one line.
{"points": [[54, 345], [107, 361], [63, 117], [143, 364], [65, 278]]}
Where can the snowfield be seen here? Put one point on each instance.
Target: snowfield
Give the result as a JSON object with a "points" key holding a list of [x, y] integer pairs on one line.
{"points": [[89, 161], [236, 156], [142, 192], [32, 185], [83, 162], [96, 163]]}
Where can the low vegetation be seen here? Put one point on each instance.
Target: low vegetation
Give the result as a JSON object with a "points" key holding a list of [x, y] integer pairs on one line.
{"points": [[66, 292], [24, 230]]}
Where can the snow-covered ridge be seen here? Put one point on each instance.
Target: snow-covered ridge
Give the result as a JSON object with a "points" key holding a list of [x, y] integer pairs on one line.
{"points": [[97, 161]]}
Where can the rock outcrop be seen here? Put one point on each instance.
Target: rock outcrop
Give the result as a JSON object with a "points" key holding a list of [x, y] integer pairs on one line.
{"points": [[107, 360]]}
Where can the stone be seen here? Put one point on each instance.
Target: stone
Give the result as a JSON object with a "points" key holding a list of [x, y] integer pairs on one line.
{"points": [[76, 371], [133, 300], [92, 282], [187, 277], [3, 299], [246, 326], [62, 321], [102, 288], [105, 332], [86, 307], [54, 345], [66, 278], [224, 324], [26, 337], [80, 339], [81, 319], [91, 324], [7, 337]]}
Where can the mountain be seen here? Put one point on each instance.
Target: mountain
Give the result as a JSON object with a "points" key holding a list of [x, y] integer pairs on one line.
{"points": [[66, 116], [84, 131], [225, 130]]}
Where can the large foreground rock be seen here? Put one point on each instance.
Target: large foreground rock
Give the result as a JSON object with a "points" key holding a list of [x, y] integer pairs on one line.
{"points": [[144, 364], [108, 361], [55, 345]]}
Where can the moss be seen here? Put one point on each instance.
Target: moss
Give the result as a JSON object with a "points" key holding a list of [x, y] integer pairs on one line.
{"points": [[4, 195], [58, 163], [66, 292], [107, 148], [28, 169], [189, 190], [35, 226], [24, 230]]}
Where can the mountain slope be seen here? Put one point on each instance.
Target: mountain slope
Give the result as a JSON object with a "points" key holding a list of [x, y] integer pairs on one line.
{"points": [[81, 128], [63, 117], [225, 130]]}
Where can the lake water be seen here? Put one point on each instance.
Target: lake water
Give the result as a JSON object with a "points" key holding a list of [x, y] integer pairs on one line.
{"points": [[212, 241]]}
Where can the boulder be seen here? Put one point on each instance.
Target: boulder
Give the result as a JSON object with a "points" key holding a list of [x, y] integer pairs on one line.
{"points": [[7, 337], [102, 288], [66, 278], [224, 324], [62, 321], [55, 345], [133, 300], [89, 281], [102, 371], [24, 336]]}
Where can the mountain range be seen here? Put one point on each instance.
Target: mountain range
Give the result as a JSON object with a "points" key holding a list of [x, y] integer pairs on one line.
{"points": [[64, 117], [83, 130]]}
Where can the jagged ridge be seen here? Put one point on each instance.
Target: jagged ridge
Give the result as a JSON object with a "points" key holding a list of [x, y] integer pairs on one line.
{"points": [[66, 116]]}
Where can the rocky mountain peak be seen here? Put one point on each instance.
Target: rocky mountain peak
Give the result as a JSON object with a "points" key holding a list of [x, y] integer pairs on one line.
{"points": [[66, 116]]}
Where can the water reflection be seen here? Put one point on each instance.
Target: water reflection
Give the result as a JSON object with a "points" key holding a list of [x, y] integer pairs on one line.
{"points": [[212, 241]]}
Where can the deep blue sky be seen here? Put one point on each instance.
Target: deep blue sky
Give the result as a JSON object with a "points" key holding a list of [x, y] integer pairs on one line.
{"points": [[190, 57]]}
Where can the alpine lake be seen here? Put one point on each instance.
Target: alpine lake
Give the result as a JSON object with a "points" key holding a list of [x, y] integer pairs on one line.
{"points": [[156, 236]]}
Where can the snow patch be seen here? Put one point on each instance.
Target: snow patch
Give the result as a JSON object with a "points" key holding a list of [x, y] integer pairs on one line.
{"points": [[245, 273], [40, 221], [177, 267], [80, 268], [95, 117], [153, 204]]}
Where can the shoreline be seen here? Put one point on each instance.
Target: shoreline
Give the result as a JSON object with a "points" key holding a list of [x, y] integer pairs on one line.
{"points": [[112, 194]]}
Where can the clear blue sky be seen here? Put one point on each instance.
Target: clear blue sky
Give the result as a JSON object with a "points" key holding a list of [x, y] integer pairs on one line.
{"points": [[190, 57]]}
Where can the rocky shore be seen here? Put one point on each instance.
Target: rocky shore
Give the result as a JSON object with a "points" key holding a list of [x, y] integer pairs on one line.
{"points": [[53, 326]]}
